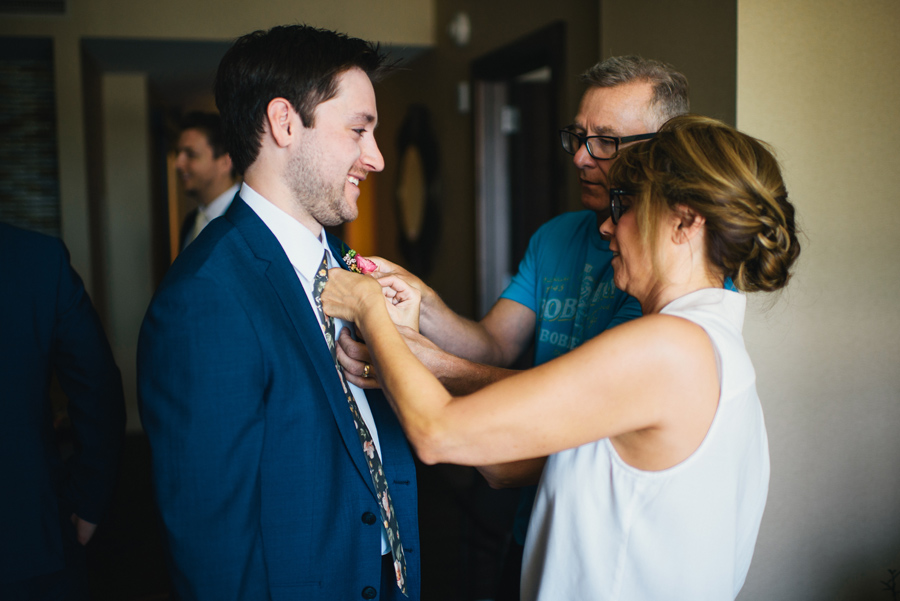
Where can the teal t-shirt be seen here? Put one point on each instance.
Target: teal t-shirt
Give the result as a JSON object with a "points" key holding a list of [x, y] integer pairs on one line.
{"points": [[566, 279]]}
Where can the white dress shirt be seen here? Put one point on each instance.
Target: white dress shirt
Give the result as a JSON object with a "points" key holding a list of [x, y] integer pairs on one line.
{"points": [[304, 251]]}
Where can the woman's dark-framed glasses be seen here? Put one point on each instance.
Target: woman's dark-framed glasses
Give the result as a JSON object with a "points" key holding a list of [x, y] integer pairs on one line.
{"points": [[601, 148], [616, 206]]}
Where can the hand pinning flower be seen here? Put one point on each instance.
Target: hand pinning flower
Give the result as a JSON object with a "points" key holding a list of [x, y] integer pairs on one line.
{"points": [[358, 263]]}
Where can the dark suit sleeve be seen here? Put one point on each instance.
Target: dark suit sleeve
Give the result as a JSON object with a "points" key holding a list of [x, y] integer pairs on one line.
{"points": [[201, 385], [87, 373]]}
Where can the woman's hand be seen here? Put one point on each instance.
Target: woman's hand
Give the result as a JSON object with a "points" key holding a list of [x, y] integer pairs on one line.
{"points": [[386, 268], [403, 300], [349, 295]]}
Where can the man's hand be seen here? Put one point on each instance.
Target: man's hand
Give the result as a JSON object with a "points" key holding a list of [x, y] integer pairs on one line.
{"points": [[84, 530], [354, 356]]}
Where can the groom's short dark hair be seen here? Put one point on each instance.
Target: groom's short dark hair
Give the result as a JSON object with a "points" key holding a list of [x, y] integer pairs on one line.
{"points": [[296, 62]]}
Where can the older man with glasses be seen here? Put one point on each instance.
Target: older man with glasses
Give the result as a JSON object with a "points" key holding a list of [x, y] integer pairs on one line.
{"points": [[563, 293]]}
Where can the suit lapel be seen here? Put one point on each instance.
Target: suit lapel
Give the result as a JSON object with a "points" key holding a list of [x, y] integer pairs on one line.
{"points": [[288, 292], [338, 249]]}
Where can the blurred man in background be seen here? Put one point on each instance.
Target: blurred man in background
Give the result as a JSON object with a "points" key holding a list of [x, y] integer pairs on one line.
{"points": [[205, 171]]}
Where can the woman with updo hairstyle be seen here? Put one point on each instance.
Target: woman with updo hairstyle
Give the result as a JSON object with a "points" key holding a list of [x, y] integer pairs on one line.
{"points": [[651, 435], [732, 181]]}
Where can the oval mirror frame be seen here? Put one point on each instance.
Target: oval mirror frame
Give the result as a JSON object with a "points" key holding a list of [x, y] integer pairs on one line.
{"points": [[417, 190]]}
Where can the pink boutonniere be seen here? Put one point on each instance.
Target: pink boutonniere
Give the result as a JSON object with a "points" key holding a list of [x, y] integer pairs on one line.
{"points": [[358, 263]]}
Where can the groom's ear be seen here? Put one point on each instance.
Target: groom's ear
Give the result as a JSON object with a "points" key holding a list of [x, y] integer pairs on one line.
{"points": [[283, 121]]}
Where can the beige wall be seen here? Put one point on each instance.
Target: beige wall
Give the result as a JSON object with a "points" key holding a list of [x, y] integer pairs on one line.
{"points": [[819, 80], [127, 212], [698, 37]]}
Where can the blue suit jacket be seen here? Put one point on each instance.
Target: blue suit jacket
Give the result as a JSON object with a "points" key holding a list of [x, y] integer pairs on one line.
{"points": [[47, 326], [260, 477]]}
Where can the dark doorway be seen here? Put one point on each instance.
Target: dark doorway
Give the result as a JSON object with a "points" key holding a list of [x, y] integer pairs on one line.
{"points": [[518, 92]]}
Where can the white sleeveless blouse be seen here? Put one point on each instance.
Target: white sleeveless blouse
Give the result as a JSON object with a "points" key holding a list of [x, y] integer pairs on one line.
{"points": [[603, 530]]}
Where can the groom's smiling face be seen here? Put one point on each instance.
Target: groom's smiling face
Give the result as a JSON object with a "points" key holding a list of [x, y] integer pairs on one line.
{"points": [[337, 153]]}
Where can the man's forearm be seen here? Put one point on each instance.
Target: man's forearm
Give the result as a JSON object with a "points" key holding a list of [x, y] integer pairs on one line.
{"points": [[458, 335], [461, 376], [497, 339], [458, 375]]}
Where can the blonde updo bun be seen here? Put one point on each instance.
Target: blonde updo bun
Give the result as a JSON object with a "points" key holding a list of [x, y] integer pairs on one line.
{"points": [[732, 180]]}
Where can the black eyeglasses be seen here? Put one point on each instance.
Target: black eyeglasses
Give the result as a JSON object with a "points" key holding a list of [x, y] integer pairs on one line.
{"points": [[601, 148], [616, 207]]}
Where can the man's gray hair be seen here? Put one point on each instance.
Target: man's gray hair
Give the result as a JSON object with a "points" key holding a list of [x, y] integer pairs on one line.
{"points": [[670, 88]]}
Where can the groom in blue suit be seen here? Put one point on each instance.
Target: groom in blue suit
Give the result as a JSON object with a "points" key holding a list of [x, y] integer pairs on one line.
{"points": [[263, 476]]}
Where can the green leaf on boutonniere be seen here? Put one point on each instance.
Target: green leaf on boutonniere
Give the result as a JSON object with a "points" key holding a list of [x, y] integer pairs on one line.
{"points": [[356, 262]]}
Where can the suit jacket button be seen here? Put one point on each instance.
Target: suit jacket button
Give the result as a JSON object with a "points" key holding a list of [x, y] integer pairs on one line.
{"points": [[369, 592], [369, 519]]}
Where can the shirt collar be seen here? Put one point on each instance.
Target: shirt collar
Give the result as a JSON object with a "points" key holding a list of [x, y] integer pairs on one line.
{"points": [[220, 204], [303, 249]]}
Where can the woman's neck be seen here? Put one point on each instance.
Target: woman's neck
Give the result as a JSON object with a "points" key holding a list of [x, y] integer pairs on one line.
{"points": [[664, 292]]}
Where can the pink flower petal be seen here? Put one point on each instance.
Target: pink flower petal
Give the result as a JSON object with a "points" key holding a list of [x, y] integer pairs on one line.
{"points": [[365, 265]]}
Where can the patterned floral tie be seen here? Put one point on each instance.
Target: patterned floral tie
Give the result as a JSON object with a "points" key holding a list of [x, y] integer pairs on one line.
{"points": [[388, 518]]}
